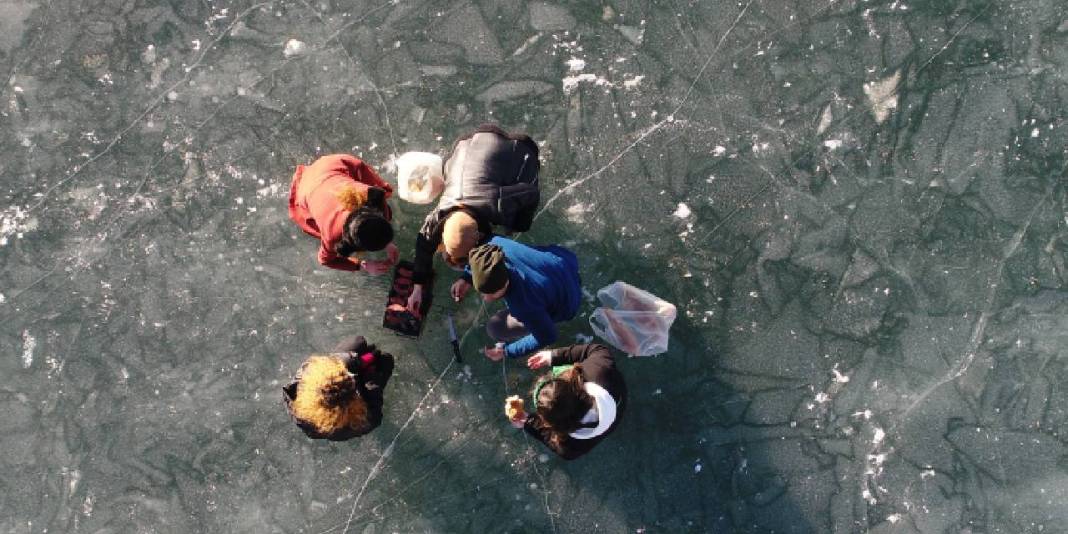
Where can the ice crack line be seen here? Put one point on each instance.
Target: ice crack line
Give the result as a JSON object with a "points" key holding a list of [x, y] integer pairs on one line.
{"points": [[649, 131], [152, 105], [980, 324], [543, 479], [356, 64], [953, 38], [389, 449]]}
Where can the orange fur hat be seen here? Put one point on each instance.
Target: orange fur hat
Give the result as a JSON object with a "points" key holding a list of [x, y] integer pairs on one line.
{"points": [[326, 396]]}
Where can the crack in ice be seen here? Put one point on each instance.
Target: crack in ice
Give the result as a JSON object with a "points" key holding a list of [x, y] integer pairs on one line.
{"points": [[984, 317], [77, 170], [389, 449], [650, 130]]}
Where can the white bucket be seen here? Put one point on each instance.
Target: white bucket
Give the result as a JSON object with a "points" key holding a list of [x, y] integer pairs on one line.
{"points": [[420, 178]]}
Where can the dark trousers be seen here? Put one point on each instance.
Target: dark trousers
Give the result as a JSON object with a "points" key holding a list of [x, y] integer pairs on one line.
{"points": [[505, 328]]}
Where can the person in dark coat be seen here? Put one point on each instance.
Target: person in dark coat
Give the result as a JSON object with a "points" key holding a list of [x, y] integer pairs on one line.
{"points": [[338, 396], [578, 403], [491, 179], [341, 201]]}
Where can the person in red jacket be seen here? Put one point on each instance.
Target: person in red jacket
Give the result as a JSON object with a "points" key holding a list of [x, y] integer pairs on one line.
{"points": [[341, 200]]}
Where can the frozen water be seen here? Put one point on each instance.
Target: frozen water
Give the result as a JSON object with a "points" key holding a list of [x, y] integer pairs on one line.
{"points": [[847, 201]]}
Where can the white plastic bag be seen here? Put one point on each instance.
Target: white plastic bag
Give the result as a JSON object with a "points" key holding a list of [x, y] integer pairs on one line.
{"points": [[420, 178], [633, 320]]}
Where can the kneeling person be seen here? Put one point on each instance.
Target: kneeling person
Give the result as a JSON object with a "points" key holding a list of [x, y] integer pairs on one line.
{"points": [[541, 286], [338, 396], [341, 201], [578, 403]]}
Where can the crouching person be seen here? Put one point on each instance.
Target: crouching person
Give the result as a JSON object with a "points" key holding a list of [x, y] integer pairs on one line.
{"points": [[341, 201], [540, 285], [338, 396], [578, 403]]}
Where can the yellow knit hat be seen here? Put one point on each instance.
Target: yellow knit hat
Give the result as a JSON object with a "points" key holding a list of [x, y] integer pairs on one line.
{"points": [[459, 235]]}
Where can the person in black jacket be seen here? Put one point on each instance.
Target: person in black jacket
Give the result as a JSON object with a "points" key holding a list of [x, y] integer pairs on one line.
{"points": [[491, 178], [338, 396], [579, 403]]}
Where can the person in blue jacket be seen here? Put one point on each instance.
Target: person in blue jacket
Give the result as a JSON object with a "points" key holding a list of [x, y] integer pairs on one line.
{"points": [[540, 285]]}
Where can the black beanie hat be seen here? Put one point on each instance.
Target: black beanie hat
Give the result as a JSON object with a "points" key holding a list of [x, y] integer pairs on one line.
{"points": [[488, 272], [372, 232]]}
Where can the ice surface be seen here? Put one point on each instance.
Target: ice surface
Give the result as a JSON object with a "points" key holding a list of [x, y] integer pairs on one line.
{"points": [[858, 208]]}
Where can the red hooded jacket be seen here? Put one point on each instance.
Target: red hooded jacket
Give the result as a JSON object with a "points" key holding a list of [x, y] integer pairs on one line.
{"points": [[314, 206]]}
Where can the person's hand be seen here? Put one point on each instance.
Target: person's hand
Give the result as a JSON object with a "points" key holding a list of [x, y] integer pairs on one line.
{"points": [[459, 289], [540, 359], [415, 300], [375, 267], [392, 253], [520, 419], [494, 353]]}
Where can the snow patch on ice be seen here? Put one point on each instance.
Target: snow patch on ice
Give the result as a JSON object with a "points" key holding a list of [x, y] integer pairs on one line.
{"points": [[682, 211], [15, 221], [571, 82], [825, 120], [880, 435], [632, 34], [577, 212], [294, 48], [839, 378], [272, 190], [882, 96], [29, 343]]}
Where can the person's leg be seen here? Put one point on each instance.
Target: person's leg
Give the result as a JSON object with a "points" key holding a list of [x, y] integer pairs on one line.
{"points": [[505, 328]]}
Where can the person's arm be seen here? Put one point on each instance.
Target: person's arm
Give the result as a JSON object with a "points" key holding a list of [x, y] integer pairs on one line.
{"points": [[357, 344], [542, 332], [598, 365], [579, 353], [426, 244], [372, 367], [380, 371], [329, 258], [372, 379]]}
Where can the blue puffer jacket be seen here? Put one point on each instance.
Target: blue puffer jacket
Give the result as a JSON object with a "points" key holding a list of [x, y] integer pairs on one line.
{"points": [[544, 289]]}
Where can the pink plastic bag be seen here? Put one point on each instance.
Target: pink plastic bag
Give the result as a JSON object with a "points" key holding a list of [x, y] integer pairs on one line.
{"points": [[633, 320]]}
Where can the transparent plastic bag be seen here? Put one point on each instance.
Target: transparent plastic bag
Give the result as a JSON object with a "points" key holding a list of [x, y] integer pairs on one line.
{"points": [[420, 178], [633, 320]]}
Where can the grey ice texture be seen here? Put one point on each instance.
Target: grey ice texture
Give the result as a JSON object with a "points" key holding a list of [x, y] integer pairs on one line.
{"points": [[870, 268]]}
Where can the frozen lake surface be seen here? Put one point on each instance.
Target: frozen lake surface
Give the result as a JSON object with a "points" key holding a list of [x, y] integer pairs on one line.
{"points": [[859, 208]]}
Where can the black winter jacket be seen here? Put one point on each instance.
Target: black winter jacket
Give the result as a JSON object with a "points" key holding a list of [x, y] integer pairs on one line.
{"points": [[599, 367], [491, 174]]}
